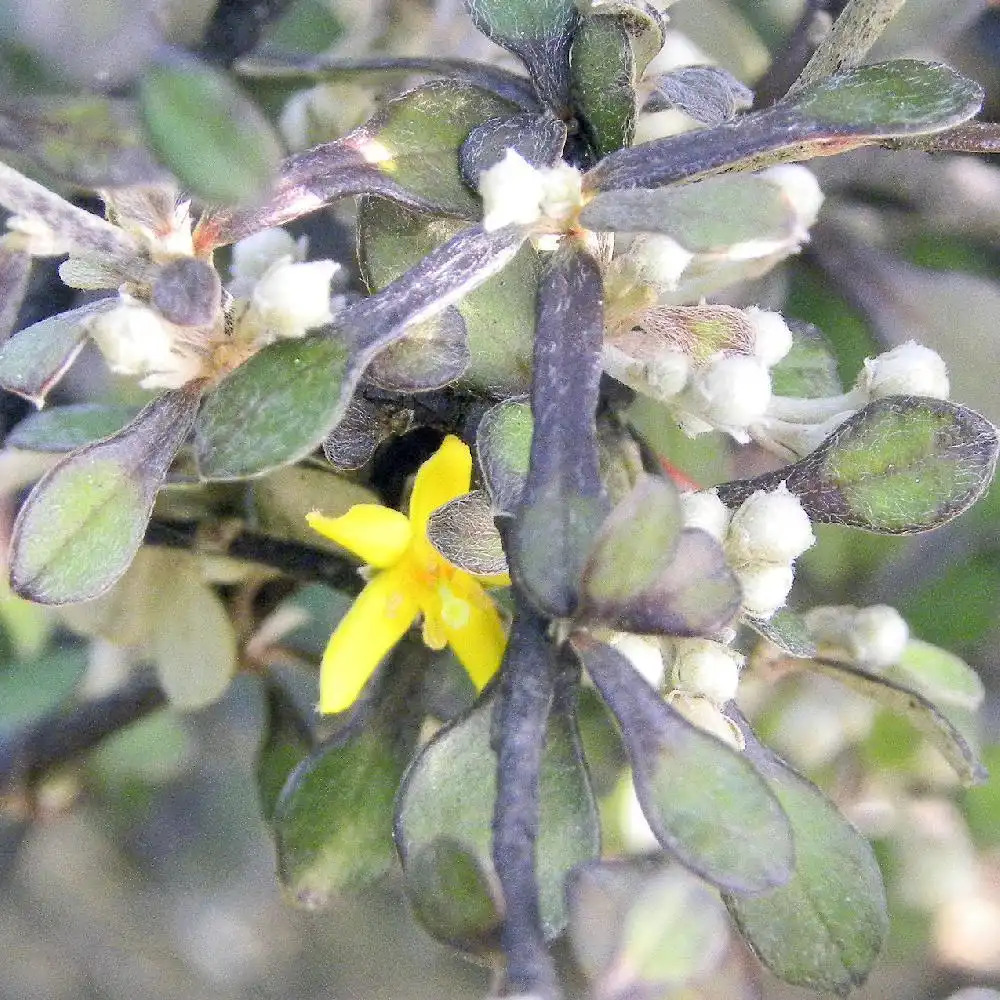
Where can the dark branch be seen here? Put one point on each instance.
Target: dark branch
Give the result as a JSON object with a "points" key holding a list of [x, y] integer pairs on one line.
{"points": [[972, 137], [798, 50], [236, 27]]}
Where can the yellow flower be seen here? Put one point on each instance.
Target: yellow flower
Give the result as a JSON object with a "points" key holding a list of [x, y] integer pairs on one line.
{"points": [[412, 579]]}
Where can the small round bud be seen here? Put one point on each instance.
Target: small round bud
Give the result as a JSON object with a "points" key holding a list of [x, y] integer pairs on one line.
{"points": [[772, 338], [730, 394], [800, 187], [659, 259], [292, 298], [765, 587], [706, 668], [908, 370], [702, 713], [703, 509], [512, 192], [770, 527], [254, 255], [880, 636], [644, 654]]}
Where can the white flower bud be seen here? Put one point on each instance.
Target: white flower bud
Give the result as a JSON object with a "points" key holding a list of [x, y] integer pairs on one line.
{"points": [[661, 377], [800, 186], [769, 527], [765, 587], [644, 654], [772, 337], [908, 370], [730, 394], [702, 713], [659, 260], [562, 191], [512, 192], [292, 298], [703, 509], [874, 637], [254, 255], [706, 668], [134, 339]]}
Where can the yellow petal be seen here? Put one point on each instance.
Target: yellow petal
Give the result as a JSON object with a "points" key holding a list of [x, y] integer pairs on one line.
{"points": [[444, 476], [475, 631], [378, 535], [376, 621]]}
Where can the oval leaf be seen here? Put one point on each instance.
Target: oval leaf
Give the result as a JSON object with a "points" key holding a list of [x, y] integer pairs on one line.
{"points": [[428, 355], [83, 523], [464, 533], [286, 742], [503, 448], [826, 927], [941, 677], [64, 428], [704, 802]]}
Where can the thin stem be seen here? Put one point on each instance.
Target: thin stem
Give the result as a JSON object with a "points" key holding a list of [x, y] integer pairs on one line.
{"points": [[854, 33], [526, 690], [972, 137], [812, 27]]}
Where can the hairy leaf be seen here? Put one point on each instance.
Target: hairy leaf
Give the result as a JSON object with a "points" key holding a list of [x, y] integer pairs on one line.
{"points": [[64, 428], [709, 95], [83, 523], [809, 369], [503, 448], [538, 139], [786, 630], [902, 464], [704, 802], [464, 533], [353, 441], [825, 927], [428, 355]]}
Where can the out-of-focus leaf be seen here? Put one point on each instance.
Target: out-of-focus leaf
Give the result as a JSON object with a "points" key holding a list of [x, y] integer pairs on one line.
{"points": [[90, 140], [902, 464], [499, 315], [84, 521], [274, 409], [563, 502], [63, 428], [15, 266], [211, 136], [187, 291], [644, 574], [464, 533], [916, 709], [428, 355], [809, 369], [286, 742], [857, 108], [35, 358], [824, 928], [941, 677], [708, 94], [503, 448], [445, 807], [786, 630], [704, 802], [538, 139], [333, 820], [642, 932], [30, 688], [708, 217], [538, 32]]}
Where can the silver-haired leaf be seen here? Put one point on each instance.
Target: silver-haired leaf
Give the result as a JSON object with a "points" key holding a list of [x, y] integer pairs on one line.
{"points": [[708, 94], [428, 355], [538, 139], [353, 441], [84, 521], [464, 533]]}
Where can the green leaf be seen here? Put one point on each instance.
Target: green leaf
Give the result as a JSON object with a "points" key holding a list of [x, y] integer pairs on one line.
{"points": [[286, 742], [30, 688], [864, 106], [902, 464], [84, 521], [207, 131], [427, 355], [645, 575], [15, 268], [941, 677], [916, 709], [704, 802], [63, 428], [499, 315], [563, 503], [786, 630], [503, 449], [275, 408], [333, 820], [537, 139], [641, 929], [89, 140], [809, 369], [464, 533], [824, 928], [447, 798], [37, 357]]}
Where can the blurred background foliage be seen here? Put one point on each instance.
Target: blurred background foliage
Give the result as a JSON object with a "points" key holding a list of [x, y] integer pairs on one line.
{"points": [[145, 868]]}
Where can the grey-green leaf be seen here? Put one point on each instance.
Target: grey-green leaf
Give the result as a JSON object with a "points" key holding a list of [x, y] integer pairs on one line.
{"points": [[704, 802], [274, 409], [503, 448], [286, 742], [84, 521], [64, 428], [809, 369], [208, 132], [824, 928], [464, 533]]}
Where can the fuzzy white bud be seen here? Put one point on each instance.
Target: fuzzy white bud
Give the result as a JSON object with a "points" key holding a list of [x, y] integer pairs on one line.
{"points": [[661, 377], [562, 191], [706, 668], [516, 193], [703, 509], [134, 339], [874, 637], [659, 260], [292, 298], [644, 654], [908, 370], [772, 337], [729, 395], [765, 587], [769, 527], [253, 255], [800, 187]]}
